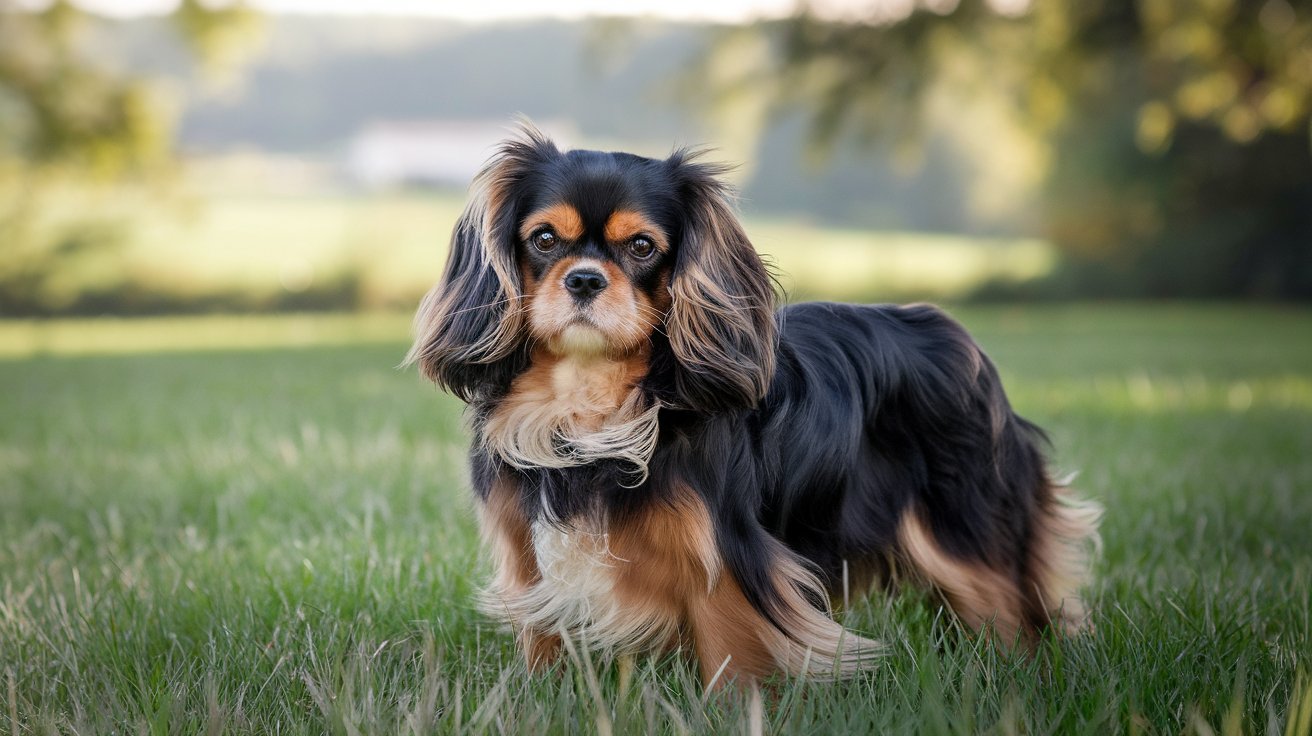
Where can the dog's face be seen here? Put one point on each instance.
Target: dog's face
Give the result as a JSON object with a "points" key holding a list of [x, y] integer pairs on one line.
{"points": [[608, 254], [596, 234]]}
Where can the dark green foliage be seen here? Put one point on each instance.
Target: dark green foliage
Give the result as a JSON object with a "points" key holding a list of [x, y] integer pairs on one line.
{"points": [[1178, 132], [71, 123]]}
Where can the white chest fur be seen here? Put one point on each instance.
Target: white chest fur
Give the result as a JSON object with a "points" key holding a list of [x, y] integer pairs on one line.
{"points": [[577, 565], [576, 593]]}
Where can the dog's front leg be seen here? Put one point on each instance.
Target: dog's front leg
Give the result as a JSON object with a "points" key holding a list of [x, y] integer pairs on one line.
{"points": [[744, 634], [506, 531], [672, 577]]}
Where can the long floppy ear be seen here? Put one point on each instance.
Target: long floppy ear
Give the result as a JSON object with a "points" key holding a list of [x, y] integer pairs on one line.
{"points": [[721, 323], [469, 327]]}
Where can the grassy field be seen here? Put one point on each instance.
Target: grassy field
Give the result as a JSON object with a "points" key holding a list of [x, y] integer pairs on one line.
{"points": [[205, 530]]}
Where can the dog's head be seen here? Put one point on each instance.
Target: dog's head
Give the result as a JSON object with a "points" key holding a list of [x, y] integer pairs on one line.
{"points": [[584, 252]]}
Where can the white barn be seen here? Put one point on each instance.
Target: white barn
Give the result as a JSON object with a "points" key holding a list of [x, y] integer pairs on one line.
{"points": [[432, 153]]}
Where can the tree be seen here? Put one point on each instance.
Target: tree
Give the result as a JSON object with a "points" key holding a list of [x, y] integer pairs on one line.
{"points": [[1177, 132], [67, 125]]}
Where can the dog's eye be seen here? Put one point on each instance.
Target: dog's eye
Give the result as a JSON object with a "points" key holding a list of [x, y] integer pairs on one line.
{"points": [[641, 247], [544, 240]]}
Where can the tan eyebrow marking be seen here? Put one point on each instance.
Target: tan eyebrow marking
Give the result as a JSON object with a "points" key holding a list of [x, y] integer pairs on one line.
{"points": [[624, 224], [560, 217]]}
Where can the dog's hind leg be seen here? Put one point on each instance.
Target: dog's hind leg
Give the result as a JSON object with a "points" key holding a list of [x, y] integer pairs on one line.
{"points": [[1015, 601], [985, 599]]}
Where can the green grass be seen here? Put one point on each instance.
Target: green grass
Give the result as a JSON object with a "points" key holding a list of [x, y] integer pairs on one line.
{"points": [[199, 538]]}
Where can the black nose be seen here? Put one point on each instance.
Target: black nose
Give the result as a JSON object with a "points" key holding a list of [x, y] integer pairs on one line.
{"points": [[585, 283]]}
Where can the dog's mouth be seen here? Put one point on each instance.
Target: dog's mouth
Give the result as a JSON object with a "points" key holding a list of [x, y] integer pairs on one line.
{"points": [[582, 315], [581, 318]]}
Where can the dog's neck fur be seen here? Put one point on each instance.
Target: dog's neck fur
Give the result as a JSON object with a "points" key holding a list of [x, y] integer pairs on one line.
{"points": [[573, 408]]}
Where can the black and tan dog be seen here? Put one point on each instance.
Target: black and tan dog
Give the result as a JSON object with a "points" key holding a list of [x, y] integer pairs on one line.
{"points": [[663, 459]]}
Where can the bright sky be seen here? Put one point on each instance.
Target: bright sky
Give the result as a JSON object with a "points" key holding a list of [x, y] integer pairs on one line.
{"points": [[474, 10]]}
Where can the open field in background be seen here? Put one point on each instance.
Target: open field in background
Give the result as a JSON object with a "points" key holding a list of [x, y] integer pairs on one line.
{"points": [[259, 525], [383, 251]]}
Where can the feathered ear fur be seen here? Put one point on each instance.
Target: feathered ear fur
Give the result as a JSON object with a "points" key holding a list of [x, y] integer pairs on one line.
{"points": [[721, 323], [468, 331]]}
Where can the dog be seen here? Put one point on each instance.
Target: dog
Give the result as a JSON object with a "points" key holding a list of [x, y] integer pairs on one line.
{"points": [[663, 460]]}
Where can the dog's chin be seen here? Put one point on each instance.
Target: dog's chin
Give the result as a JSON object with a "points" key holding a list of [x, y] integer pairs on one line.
{"points": [[581, 339]]}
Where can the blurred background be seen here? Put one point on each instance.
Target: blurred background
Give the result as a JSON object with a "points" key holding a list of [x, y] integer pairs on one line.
{"points": [[308, 155], [223, 508]]}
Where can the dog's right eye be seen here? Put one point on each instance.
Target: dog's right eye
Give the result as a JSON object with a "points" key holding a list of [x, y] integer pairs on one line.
{"points": [[544, 240]]}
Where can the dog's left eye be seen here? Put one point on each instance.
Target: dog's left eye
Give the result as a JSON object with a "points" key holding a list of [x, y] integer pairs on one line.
{"points": [[641, 247], [544, 240]]}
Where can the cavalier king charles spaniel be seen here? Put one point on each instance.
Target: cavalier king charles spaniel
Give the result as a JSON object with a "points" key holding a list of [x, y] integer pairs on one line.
{"points": [[663, 459]]}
